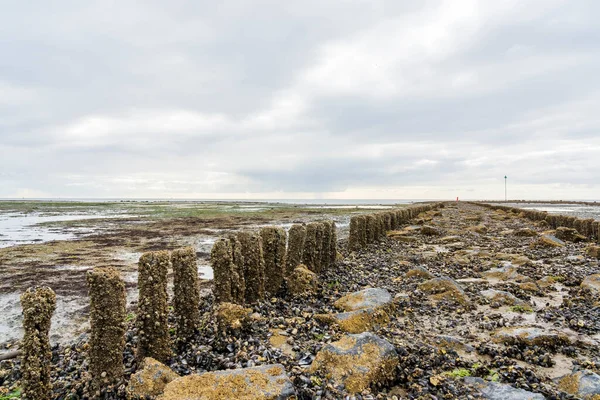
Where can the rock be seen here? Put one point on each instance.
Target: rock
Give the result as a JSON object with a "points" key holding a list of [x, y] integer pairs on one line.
{"points": [[302, 281], [452, 342], [279, 339], [530, 336], [461, 260], [231, 317], [548, 241], [150, 380], [546, 282], [455, 246], [419, 272], [529, 286], [592, 283], [430, 231], [357, 361], [593, 251], [444, 288], [584, 384], [516, 259], [358, 321], [450, 239], [578, 259], [501, 391], [481, 229], [502, 297], [525, 232], [404, 239], [569, 234], [367, 298], [507, 272], [404, 235], [365, 310], [265, 382]]}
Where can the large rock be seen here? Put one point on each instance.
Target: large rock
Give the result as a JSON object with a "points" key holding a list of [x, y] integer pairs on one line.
{"points": [[546, 282], [419, 272], [357, 361], [405, 239], [593, 251], [506, 272], [150, 380], [529, 336], [266, 382], [444, 288], [279, 339], [501, 391], [503, 298], [584, 384], [366, 310], [548, 241], [481, 229], [357, 321], [302, 281], [516, 259], [525, 232], [231, 317], [367, 298], [592, 283], [430, 231]]}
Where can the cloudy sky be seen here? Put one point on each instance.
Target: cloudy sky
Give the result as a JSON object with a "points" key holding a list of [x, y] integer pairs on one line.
{"points": [[300, 99]]}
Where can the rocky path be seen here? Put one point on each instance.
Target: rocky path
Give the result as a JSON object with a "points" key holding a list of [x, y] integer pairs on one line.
{"points": [[466, 303]]}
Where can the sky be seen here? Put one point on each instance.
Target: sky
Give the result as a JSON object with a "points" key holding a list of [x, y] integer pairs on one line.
{"points": [[311, 99]]}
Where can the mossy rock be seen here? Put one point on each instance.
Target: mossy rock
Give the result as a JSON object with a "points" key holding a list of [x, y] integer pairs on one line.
{"points": [[357, 361], [150, 380], [265, 382]]}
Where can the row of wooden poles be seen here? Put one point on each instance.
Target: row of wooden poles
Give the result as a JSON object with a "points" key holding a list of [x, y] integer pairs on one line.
{"points": [[370, 228], [108, 319], [247, 267], [587, 227], [250, 265]]}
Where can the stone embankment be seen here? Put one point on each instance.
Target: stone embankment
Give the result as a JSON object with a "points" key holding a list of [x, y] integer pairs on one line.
{"points": [[449, 300]]}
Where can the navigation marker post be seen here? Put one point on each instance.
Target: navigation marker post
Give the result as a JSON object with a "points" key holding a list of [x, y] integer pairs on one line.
{"points": [[505, 198]]}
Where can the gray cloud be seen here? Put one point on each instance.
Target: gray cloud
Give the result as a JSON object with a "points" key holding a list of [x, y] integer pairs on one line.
{"points": [[391, 99]]}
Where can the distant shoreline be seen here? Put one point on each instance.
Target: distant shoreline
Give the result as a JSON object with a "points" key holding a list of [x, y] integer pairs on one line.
{"points": [[580, 202]]}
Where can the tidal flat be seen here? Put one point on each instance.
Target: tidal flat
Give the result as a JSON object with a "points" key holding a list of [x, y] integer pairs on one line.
{"points": [[54, 243], [483, 303]]}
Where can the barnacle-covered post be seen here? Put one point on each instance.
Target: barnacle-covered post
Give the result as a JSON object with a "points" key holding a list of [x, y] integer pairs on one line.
{"points": [[273, 243], [238, 283], [38, 306], [221, 261], [186, 292], [107, 325], [153, 309], [293, 257], [326, 244], [254, 265], [310, 255], [371, 228]]}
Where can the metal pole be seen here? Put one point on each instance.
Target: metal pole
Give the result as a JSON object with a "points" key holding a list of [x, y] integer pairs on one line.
{"points": [[505, 197]]}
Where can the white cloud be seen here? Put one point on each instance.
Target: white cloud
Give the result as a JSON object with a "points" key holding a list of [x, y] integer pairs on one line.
{"points": [[373, 99]]}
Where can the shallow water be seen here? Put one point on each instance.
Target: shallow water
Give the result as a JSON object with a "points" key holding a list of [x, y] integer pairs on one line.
{"points": [[67, 321], [20, 228]]}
